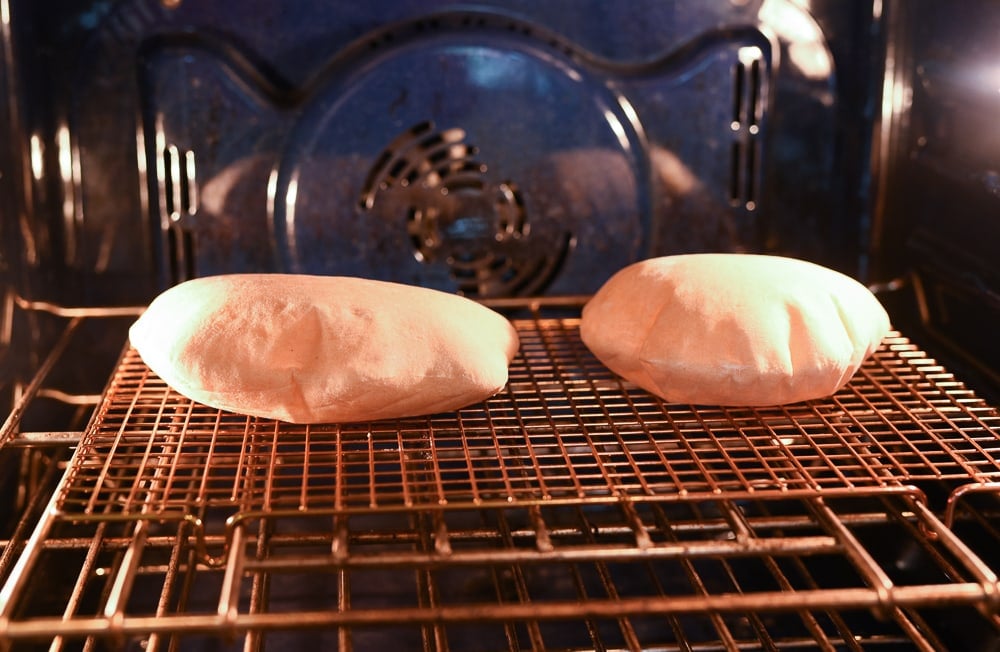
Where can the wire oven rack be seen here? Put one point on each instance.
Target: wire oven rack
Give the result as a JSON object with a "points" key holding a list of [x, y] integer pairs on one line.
{"points": [[571, 511]]}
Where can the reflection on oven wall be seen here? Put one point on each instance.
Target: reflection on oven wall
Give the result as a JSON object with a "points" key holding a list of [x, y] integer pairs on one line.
{"points": [[507, 149], [938, 148]]}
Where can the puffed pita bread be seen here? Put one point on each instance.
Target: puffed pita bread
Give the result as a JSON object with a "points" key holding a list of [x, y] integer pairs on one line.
{"points": [[733, 329], [311, 349]]}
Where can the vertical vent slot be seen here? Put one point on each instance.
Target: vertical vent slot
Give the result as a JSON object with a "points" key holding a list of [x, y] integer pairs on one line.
{"points": [[180, 254], [753, 101], [750, 185], [735, 173], [179, 199], [179, 183], [739, 82], [747, 113]]}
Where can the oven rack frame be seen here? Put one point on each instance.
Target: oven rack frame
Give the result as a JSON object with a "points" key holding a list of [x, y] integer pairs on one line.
{"points": [[811, 455], [127, 556], [949, 433]]}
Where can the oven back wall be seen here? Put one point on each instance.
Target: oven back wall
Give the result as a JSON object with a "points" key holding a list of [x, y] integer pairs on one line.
{"points": [[506, 149]]}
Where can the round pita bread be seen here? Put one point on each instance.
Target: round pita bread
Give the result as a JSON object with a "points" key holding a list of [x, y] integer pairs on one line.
{"points": [[310, 349], [733, 329]]}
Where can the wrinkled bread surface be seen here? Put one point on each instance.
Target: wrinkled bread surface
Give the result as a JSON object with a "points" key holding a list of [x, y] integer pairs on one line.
{"points": [[311, 349], [733, 329]]}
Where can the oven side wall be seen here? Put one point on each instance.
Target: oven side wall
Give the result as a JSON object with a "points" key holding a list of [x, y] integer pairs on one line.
{"points": [[937, 157]]}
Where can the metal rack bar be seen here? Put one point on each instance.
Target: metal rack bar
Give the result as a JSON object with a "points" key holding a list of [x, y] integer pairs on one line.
{"points": [[28, 394], [10, 430], [777, 601]]}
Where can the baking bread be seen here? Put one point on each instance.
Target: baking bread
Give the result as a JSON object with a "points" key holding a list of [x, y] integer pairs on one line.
{"points": [[310, 349], [733, 329]]}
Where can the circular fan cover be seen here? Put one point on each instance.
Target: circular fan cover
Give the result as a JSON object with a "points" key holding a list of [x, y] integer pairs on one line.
{"points": [[489, 163]]}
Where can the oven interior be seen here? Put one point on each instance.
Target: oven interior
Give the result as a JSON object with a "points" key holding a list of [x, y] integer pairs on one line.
{"points": [[518, 153]]}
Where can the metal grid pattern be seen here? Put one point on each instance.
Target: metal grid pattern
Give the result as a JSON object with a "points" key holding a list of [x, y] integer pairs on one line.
{"points": [[565, 428], [572, 511], [810, 573]]}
